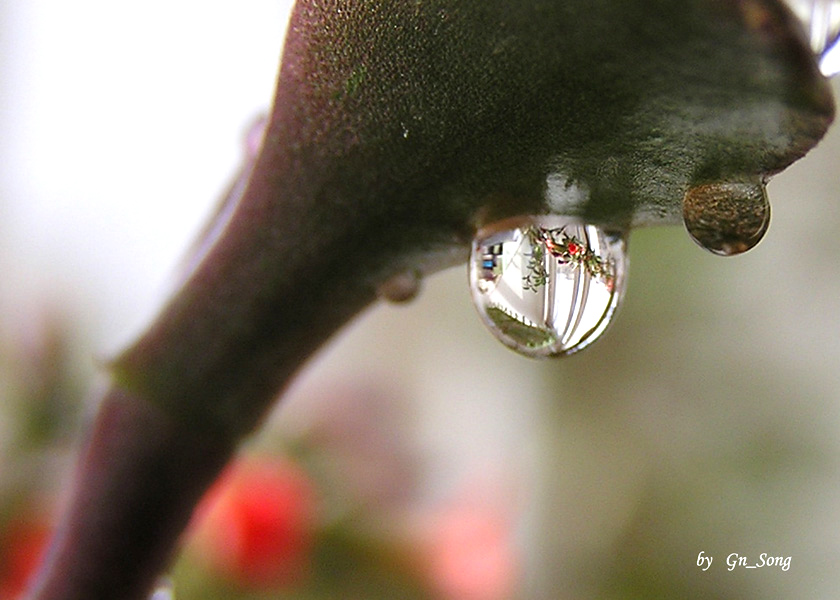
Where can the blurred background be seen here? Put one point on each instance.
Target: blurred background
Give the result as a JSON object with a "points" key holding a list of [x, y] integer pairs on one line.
{"points": [[415, 457]]}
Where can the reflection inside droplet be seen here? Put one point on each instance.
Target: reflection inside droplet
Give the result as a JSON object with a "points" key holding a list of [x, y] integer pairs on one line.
{"points": [[821, 19], [727, 218], [547, 285]]}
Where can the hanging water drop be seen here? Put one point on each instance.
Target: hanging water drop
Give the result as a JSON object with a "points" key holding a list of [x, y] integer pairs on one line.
{"points": [[547, 285], [727, 218], [821, 20]]}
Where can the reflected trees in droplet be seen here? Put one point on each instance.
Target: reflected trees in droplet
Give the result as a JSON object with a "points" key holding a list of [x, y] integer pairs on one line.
{"points": [[547, 285]]}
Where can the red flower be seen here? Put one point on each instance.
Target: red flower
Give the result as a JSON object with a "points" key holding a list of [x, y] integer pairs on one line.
{"points": [[256, 524], [23, 546], [470, 554], [573, 248]]}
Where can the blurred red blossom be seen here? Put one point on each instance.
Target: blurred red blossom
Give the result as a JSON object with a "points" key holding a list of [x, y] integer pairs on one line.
{"points": [[256, 525], [22, 546], [469, 550]]}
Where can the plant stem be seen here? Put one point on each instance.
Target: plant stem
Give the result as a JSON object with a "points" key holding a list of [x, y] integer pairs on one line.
{"points": [[397, 129], [135, 487]]}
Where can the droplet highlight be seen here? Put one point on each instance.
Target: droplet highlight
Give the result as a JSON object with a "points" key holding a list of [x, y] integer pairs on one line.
{"points": [[547, 285], [727, 218], [821, 20]]}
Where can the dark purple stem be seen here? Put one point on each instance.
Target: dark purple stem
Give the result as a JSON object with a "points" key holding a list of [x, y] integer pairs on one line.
{"points": [[137, 482]]}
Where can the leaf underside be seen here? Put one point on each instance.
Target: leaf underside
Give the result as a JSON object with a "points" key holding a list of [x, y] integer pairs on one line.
{"points": [[463, 112]]}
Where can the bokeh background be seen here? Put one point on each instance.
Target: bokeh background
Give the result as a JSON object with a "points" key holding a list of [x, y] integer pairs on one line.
{"points": [[415, 457]]}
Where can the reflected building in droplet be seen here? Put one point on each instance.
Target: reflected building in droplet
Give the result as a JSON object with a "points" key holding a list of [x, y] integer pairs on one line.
{"points": [[547, 285]]}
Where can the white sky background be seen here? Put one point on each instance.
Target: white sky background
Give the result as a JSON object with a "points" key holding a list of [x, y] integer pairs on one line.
{"points": [[120, 125]]}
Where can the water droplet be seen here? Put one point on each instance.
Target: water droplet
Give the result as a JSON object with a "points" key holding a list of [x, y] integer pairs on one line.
{"points": [[401, 287], [164, 590], [821, 19], [727, 218], [547, 285], [255, 136]]}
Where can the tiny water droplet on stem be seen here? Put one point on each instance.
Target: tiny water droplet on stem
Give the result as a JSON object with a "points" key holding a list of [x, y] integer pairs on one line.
{"points": [[164, 590], [255, 136], [547, 285], [401, 287], [727, 218]]}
